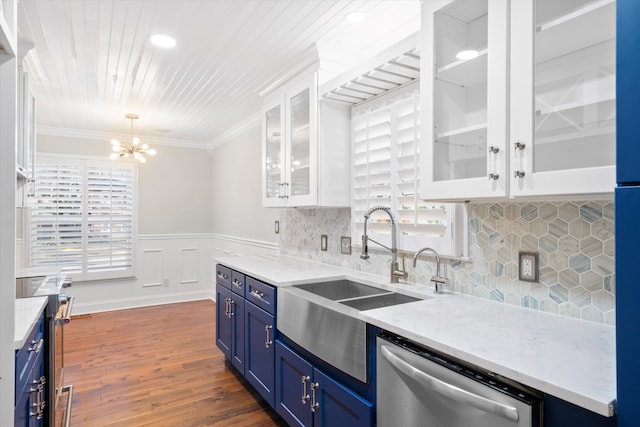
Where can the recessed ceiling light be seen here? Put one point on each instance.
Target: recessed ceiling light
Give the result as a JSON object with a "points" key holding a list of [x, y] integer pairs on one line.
{"points": [[465, 55], [162, 40], [355, 17]]}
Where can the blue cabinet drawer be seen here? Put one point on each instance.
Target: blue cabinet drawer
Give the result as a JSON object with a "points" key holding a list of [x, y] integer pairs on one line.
{"points": [[261, 294], [223, 276], [237, 282]]}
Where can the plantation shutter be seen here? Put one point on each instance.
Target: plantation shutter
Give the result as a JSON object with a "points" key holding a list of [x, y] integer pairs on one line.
{"points": [[57, 217], [109, 220], [83, 219]]}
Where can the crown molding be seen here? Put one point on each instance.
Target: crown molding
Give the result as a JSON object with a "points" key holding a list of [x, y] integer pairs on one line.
{"points": [[235, 131], [104, 136]]}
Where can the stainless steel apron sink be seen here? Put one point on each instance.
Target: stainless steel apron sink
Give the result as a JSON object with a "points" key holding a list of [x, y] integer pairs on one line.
{"points": [[323, 318]]}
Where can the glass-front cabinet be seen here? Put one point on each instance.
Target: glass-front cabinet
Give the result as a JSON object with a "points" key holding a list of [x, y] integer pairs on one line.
{"points": [[563, 87], [305, 147], [537, 119], [464, 91]]}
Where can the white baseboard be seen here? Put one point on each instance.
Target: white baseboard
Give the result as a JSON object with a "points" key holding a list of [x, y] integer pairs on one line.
{"points": [[136, 302]]}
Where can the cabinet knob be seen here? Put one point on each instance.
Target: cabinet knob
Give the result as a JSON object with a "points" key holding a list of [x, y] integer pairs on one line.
{"points": [[494, 150], [494, 176], [518, 174], [519, 145]]}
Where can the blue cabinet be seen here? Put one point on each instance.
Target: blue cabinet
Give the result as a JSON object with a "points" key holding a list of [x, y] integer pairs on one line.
{"points": [[260, 327], [305, 396], [230, 325], [246, 327], [30, 398]]}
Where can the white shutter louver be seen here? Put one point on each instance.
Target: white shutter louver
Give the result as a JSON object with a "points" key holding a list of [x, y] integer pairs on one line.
{"points": [[83, 219]]}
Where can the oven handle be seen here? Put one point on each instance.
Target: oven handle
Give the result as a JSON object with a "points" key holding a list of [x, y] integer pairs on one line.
{"points": [[66, 314], [449, 390], [67, 414]]}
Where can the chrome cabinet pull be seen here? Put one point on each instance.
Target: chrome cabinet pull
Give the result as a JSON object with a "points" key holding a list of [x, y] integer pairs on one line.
{"points": [[36, 345], [305, 395], [518, 174], [232, 313], [493, 149], [257, 294], [237, 283], [267, 342], [227, 306], [39, 405], [494, 176], [519, 145], [223, 276], [314, 403]]}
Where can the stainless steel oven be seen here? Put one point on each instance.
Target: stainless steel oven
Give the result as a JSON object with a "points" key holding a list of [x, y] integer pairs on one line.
{"points": [[57, 313], [417, 387]]}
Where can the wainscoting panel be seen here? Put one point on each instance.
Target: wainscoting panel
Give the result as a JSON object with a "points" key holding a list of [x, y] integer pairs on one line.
{"points": [[152, 267], [189, 265]]}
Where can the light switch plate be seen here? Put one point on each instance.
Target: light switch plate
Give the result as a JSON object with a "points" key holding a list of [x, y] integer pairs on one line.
{"points": [[528, 267]]}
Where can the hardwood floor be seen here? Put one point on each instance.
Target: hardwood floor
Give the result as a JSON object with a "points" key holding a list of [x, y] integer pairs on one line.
{"points": [[156, 366]]}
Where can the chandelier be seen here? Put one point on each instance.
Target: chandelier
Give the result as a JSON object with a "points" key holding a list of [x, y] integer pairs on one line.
{"points": [[137, 150]]}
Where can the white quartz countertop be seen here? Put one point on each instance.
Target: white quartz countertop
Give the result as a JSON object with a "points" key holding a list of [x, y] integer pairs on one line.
{"points": [[28, 311], [571, 359]]}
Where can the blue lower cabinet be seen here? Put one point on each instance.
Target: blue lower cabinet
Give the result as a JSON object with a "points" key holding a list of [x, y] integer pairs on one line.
{"points": [[260, 329], [305, 396], [31, 384], [237, 332], [293, 387], [223, 320]]}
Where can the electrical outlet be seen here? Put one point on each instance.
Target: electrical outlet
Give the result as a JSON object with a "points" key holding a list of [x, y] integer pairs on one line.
{"points": [[277, 227], [528, 266], [323, 242], [165, 283]]}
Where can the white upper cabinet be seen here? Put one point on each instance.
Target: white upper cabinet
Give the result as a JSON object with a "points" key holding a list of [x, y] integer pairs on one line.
{"points": [[464, 111], [305, 147], [563, 97], [534, 120]]}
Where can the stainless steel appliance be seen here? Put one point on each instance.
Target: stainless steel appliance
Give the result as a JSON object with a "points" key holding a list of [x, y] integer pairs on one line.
{"points": [[417, 387], [57, 313]]}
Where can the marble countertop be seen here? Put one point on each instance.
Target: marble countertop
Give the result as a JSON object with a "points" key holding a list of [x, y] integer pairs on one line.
{"points": [[28, 311], [571, 359]]}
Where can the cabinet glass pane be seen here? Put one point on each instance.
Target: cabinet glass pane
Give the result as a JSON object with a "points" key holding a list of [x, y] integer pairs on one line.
{"points": [[273, 152], [300, 140], [460, 91], [574, 84]]}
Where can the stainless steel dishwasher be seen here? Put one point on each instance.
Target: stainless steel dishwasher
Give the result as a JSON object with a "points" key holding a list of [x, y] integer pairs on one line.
{"points": [[416, 387]]}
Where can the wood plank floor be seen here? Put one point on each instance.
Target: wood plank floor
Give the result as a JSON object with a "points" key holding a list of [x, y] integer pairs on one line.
{"points": [[156, 366]]}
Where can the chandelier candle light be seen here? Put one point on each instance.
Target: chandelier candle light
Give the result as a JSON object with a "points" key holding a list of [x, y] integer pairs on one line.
{"points": [[137, 150]]}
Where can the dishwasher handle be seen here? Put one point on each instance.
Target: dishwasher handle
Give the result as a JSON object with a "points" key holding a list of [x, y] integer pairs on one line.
{"points": [[449, 390]]}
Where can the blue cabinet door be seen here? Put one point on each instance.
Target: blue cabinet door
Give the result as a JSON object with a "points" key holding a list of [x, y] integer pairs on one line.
{"points": [[293, 382], [223, 322], [260, 352], [237, 332], [338, 406]]}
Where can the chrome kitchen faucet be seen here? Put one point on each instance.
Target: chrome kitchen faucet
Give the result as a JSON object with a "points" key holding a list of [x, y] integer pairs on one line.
{"points": [[396, 273], [437, 280]]}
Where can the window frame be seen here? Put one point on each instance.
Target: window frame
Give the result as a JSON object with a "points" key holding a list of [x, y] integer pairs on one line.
{"points": [[87, 162]]}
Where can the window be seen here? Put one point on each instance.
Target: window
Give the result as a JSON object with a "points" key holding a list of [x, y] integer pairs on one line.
{"points": [[83, 218], [386, 154]]}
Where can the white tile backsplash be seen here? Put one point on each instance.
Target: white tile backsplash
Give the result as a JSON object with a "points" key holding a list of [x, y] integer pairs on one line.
{"points": [[574, 242]]}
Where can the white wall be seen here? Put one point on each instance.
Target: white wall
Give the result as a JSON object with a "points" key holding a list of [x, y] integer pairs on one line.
{"points": [[173, 250], [240, 223]]}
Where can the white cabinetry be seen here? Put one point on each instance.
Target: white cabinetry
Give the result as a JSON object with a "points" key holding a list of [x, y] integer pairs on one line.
{"points": [[546, 128], [305, 147]]}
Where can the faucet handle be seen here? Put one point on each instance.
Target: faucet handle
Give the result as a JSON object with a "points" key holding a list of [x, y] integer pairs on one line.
{"points": [[439, 283]]}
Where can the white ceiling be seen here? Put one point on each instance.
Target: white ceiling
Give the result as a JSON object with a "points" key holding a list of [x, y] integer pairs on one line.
{"points": [[92, 61]]}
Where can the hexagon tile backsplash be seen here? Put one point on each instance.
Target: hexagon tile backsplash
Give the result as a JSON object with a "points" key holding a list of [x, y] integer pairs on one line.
{"points": [[574, 242]]}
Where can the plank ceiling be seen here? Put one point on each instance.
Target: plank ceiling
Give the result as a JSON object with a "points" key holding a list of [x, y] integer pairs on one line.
{"points": [[92, 61]]}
